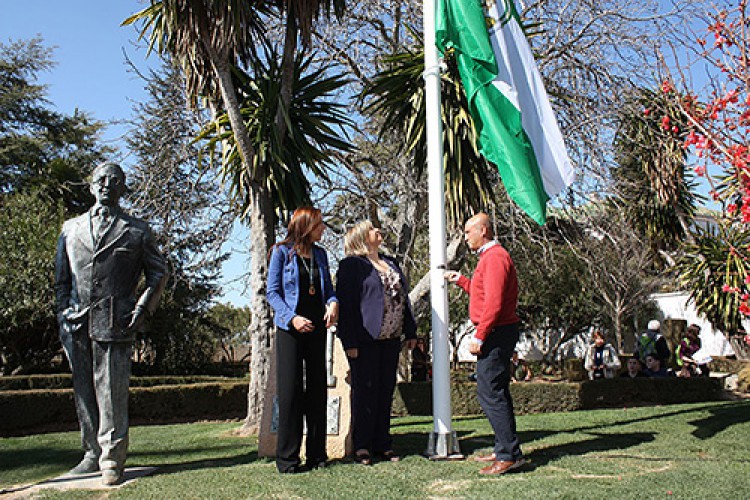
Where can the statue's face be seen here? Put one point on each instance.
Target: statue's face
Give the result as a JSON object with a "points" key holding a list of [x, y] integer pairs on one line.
{"points": [[107, 186]]}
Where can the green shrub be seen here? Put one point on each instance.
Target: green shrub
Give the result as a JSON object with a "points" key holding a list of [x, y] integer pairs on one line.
{"points": [[553, 397], [528, 397], [65, 381], [29, 382], [29, 411], [628, 392]]}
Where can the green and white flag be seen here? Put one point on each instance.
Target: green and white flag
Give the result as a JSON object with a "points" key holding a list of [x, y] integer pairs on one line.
{"points": [[514, 120]]}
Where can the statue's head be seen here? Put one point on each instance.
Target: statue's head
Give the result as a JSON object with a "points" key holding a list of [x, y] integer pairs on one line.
{"points": [[108, 183]]}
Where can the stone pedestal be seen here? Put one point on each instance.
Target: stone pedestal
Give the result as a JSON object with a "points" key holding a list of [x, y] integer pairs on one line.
{"points": [[339, 440]]}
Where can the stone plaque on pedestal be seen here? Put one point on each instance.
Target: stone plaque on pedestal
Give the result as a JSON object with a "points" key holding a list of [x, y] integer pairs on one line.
{"points": [[339, 440]]}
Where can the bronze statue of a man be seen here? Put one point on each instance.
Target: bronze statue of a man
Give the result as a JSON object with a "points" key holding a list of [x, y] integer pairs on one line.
{"points": [[100, 258]]}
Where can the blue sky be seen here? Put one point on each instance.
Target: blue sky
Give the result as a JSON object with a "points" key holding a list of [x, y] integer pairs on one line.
{"points": [[91, 73]]}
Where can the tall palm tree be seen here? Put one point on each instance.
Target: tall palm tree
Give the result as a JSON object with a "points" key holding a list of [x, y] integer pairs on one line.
{"points": [[207, 38], [316, 122]]}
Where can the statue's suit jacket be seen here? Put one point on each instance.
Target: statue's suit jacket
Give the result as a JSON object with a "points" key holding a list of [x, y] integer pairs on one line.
{"points": [[97, 280]]}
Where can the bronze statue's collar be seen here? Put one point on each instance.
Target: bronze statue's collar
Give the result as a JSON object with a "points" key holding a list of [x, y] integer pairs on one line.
{"points": [[99, 210]]}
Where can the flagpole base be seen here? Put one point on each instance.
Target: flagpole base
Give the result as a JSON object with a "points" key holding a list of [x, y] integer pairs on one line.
{"points": [[443, 446]]}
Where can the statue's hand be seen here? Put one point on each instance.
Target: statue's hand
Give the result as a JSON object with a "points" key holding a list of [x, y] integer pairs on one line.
{"points": [[137, 317], [70, 319], [72, 315]]}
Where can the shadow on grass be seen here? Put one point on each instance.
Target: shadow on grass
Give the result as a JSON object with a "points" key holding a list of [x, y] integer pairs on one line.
{"points": [[542, 456], [62, 459], [737, 409], [600, 442], [208, 463], [196, 450], [721, 418], [415, 443]]}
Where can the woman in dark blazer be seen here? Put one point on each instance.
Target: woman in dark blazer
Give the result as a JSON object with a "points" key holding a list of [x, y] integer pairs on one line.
{"points": [[374, 315], [301, 294]]}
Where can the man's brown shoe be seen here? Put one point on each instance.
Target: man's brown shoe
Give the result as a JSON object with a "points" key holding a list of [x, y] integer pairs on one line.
{"points": [[485, 458], [503, 466]]}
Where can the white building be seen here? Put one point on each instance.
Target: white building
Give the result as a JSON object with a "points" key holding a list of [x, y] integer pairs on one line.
{"points": [[673, 305]]}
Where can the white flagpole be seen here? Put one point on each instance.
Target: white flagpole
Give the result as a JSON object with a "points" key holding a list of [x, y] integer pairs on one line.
{"points": [[443, 443]]}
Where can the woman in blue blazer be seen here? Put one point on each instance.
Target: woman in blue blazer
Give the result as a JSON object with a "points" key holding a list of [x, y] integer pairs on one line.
{"points": [[375, 313], [301, 294]]}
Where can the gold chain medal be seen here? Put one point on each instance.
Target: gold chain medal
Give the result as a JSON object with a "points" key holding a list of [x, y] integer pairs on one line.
{"points": [[310, 273], [311, 291]]}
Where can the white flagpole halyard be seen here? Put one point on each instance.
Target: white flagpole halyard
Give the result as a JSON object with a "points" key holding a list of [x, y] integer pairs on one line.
{"points": [[443, 443]]}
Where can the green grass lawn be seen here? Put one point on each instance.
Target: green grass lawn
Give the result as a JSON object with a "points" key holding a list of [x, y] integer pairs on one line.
{"points": [[683, 451]]}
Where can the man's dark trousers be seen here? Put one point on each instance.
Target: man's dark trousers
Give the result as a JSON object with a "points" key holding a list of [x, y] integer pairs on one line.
{"points": [[493, 380]]}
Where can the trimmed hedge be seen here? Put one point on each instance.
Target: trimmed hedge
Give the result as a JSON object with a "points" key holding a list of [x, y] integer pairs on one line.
{"points": [[30, 411], [25, 412], [628, 392], [65, 381], [548, 397]]}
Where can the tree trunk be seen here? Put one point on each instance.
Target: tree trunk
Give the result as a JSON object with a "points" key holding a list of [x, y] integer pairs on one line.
{"points": [[232, 106], [261, 230], [261, 218], [287, 74], [261, 328], [618, 331]]}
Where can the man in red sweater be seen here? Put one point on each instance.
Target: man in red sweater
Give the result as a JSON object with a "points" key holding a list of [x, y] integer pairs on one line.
{"points": [[493, 296]]}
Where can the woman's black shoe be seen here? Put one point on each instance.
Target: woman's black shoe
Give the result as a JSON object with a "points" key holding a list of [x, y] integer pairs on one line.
{"points": [[295, 469], [363, 457], [317, 464]]}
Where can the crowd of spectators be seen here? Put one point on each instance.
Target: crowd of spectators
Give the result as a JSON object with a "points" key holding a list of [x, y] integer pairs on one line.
{"points": [[651, 357]]}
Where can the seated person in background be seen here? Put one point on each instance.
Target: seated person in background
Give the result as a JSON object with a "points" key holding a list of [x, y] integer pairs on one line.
{"points": [[689, 345], [653, 342], [634, 370], [601, 359], [519, 370], [654, 367]]}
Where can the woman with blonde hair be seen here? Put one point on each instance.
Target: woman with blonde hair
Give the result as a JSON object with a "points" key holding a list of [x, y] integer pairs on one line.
{"points": [[302, 296], [375, 315]]}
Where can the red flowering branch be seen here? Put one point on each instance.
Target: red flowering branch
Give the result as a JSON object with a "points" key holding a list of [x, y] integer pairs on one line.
{"points": [[719, 134]]}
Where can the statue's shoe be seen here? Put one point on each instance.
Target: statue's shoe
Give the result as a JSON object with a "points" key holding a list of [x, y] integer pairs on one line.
{"points": [[85, 466], [111, 477]]}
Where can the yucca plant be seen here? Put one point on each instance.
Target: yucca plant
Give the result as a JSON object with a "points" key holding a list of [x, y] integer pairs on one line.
{"points": [[397, 94], [315, 122], [715, 271]]}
